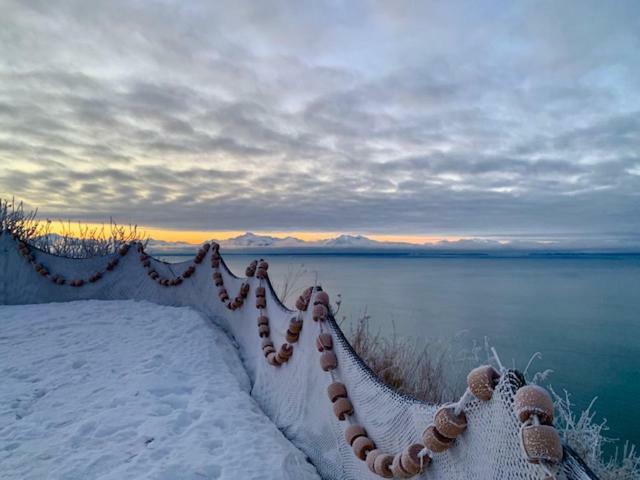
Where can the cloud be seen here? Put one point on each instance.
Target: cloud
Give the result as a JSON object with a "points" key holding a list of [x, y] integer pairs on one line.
{"points": [[363, 117]]}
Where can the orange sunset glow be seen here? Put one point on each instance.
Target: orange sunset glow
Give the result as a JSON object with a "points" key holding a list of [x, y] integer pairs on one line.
{"points": [[199, 236]]}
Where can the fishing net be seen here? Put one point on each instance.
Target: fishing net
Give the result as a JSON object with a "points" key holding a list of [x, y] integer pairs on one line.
{"points": [[294, 395]]}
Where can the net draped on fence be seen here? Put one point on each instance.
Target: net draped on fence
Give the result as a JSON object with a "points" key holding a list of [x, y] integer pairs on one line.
{"points": [[294, 395]]}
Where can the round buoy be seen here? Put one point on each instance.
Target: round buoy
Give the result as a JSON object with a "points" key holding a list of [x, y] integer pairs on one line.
{"points": [[354, 431], [396, 468], [263, 331], [301, 304], [319, 312], [410, 461], [371, 458], [281, 358], [271, 358], [324, 341], [286, 351], [382, 465], [533, 400], [328, 360], [321, 298], [541, 443], [295, 325], [292, 337], [448, 423], [261, 273], [336, 390], [342, 408], [434, 441], [362, 445], [482, 381]]}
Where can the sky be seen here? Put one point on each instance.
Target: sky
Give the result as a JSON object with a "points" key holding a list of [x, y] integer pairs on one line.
{"points": [[399, 120]]}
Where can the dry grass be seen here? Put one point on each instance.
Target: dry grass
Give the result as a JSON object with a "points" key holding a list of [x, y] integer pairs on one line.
{"points": [[289, 285], [433, 372], [81, 242]]}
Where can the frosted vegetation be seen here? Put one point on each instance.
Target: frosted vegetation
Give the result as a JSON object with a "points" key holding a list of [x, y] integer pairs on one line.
{"points": [[417, 371], [83, 241], [588, 437]]}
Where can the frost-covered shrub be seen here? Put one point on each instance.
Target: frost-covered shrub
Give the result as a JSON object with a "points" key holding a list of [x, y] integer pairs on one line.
{"points": [[15, 221], [82, 242], [588, 437]]}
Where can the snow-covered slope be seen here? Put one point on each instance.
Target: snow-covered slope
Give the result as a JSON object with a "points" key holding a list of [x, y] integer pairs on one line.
{"points": [[349, 241], [130, 390], [251, 240]]}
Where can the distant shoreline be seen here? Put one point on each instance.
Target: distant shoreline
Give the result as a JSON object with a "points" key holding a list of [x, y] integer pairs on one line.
{"points": [[417, 253]]}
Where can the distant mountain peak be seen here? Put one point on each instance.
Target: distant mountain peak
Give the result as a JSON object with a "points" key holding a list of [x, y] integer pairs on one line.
{"points": [[345, 240], [252, 240]]}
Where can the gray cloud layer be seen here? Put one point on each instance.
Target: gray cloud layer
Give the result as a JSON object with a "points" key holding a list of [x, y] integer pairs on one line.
{"points": [[475, 118]]}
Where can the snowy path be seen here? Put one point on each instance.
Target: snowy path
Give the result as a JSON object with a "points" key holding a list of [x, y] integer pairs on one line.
{"points": [[129, 390]]}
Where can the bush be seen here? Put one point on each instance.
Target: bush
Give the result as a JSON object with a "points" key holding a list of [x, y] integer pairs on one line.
{"points": [[87, 242], [587, 438]]}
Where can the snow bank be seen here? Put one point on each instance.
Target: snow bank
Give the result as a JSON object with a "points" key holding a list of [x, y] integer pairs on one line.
{"points": [[130, 390]]}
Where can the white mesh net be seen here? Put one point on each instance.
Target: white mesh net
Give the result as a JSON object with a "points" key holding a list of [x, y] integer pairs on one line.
{"points": [[294, 395]]}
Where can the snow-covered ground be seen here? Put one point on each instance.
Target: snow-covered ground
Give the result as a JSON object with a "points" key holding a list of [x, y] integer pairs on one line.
{"points": [[130, 390]]}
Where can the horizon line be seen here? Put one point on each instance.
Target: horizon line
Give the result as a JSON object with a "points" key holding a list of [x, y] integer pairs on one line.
{"points": [[195, 237]]}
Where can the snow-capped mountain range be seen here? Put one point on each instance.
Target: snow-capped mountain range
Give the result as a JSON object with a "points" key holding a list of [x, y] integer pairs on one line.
{"points": [[254, 241]]}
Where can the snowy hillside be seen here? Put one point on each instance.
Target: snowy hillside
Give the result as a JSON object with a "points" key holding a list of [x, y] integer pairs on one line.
{"points": [[251, 240], [351, 241], [130, 390]]}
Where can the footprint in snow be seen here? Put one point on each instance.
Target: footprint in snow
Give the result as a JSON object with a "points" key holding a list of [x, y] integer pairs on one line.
{"points": [[78, 363]]}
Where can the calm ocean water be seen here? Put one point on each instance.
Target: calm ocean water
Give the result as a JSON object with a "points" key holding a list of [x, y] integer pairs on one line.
{"points": [[582, 314]]}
